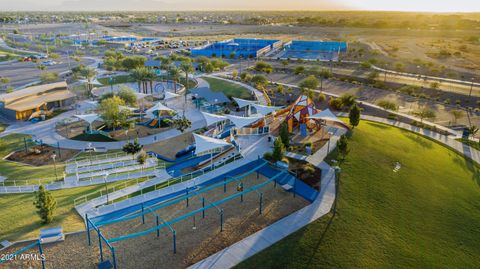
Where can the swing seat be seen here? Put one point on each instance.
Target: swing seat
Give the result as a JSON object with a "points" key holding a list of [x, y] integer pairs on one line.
{"points": [[105, 265]]}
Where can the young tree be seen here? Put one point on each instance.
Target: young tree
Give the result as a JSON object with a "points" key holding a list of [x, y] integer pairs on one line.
{"points": [[425, 113], [49, 77], [88, 73], [182, 124], [235, 74], [173, 72], [473, 130], [259, 80], [45, 204], [278, 150], [132, 147], [310, 82], [111, 113], [300, 69], [186, 68], [457, 114], [127, 95], [324, 74], [139, 75], [142, 158], [354, 115], [342, 146], [284, 135]]}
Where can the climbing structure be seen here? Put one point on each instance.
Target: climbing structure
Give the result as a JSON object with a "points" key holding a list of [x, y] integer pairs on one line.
{"points": [[299, 112]]}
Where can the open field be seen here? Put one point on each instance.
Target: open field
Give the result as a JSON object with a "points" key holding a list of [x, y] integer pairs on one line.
{"points": [[228, 88], [424, 216]]}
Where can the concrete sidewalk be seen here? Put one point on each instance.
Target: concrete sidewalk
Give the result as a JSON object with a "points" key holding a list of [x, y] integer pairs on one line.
{"points": [[246, 248]]}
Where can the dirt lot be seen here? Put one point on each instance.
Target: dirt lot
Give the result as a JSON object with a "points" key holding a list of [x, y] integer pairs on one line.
{"points": [[193, 244], [170, 147], [42, 155]]}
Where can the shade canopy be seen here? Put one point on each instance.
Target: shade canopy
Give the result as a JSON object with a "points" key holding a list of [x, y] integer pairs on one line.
{"points": [[170, 95], [158, 107], [92, 82], [326, 115], [205, 143], [265, 110], [210, 96], [90, 118], [242, 102], [241, 122], [213, 118]]}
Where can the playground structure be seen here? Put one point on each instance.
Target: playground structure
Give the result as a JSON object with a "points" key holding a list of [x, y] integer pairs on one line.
{"points": [[202, 203]]}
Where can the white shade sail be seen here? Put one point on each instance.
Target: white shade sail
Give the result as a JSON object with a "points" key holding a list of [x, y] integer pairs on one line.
{"points": [[92, 82], [88, 117], [242, 102], [170, 95], [241, 122], [326, 115], [205, 143], [213, 118], [265, 110], [158, 107]]}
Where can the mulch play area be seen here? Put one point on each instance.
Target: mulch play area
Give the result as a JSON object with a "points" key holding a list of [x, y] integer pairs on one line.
{"points": [[42, 155]]}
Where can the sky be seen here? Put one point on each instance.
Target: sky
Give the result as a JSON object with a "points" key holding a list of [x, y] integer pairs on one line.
{"points": [[149, 5]]}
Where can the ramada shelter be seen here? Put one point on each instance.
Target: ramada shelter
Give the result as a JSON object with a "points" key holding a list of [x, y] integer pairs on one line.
{"points": [[21, 104]]}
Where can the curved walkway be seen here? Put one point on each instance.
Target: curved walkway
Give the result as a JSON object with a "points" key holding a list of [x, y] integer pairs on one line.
{"points": [[258, 94]]}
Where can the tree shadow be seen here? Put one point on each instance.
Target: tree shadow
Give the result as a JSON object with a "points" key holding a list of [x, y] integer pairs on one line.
{"points": [[470, 166], [321, 239], [424, 143]]}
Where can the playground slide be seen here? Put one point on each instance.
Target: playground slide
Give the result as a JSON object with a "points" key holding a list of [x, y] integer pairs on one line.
{"points": [[153, 123], [215, 158]]}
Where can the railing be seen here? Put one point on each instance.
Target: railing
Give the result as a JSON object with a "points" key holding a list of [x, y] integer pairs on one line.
{"points": [[27, 182], [87, 197], [170, 182], [97, 157], [191, 175]]}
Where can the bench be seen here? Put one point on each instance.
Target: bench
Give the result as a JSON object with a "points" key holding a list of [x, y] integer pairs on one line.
{"points": [[51, 235]]}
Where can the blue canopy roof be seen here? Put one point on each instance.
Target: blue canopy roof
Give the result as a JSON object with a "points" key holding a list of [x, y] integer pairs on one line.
{"points": [[210, 96]]}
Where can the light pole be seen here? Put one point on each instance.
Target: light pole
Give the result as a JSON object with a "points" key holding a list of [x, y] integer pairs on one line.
{"points": [[106, 187], [55, 165]]}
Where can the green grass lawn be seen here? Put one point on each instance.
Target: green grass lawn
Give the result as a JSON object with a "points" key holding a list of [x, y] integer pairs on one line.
{"points": [[427, 215], [228, 88], [19, 220], [2, 127]]}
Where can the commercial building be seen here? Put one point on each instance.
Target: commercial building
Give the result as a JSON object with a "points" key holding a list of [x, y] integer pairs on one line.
{"points": [[21, 104]]}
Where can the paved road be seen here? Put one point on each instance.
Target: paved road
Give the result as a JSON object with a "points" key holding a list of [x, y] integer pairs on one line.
{"points": [[24, 73]]}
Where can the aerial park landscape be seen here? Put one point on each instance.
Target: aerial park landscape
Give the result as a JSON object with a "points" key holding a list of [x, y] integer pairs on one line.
{"points": [[216, 136]]}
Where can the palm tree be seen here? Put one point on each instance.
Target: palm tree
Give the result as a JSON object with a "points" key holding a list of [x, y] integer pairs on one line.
{"points": [[139, 74], [186, 67], [150, 76], [173, 72], [88, 73]]}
